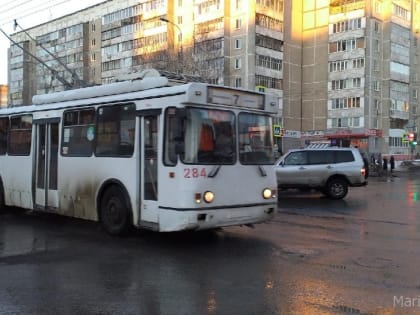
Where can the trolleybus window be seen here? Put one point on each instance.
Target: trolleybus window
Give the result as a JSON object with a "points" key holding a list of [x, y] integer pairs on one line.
{"points": [[78, 132], [20, 135], [150, 154], [4, 131], [115, 130], [170, 157], [209, 137], [255, 139]]}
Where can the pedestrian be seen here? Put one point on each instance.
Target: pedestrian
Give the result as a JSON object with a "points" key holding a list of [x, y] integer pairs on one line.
{"points": [[385, 165], [392, 163]]}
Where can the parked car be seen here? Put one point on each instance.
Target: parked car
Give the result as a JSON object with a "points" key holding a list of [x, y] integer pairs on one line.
{"points": [[330, 170]]}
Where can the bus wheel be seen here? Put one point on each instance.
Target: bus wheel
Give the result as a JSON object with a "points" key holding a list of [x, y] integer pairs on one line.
{"points": [[114, 214]]}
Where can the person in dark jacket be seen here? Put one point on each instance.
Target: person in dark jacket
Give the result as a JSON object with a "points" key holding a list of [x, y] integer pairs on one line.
{"points": [[392, 163], [385, 165]]}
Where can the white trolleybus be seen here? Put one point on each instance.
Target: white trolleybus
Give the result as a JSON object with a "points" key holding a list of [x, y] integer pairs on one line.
{"points": [[143, 153]]}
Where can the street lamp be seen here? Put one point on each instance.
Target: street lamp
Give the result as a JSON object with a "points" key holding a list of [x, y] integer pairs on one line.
{"points": [[181, 56]]}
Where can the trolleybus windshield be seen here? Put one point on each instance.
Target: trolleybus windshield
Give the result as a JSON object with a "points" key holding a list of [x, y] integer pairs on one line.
{"points": [[213, 136]]}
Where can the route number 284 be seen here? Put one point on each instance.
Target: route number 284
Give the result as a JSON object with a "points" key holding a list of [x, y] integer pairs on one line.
{"points": [[194, 172]]}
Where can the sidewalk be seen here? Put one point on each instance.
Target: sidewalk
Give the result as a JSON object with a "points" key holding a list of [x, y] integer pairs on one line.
{"points": [[401, 168]]}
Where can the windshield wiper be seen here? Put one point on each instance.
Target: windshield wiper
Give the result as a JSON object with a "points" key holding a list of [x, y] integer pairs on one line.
{"points": [[214, 171], [262, 171]]}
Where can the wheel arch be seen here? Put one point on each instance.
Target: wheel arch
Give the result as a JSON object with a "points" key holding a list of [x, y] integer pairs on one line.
{"points": [[106, 185], [337, 176]]}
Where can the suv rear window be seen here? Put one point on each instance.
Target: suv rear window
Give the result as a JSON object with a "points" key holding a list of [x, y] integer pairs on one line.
{"points": [[321, 157], [344, 156]]}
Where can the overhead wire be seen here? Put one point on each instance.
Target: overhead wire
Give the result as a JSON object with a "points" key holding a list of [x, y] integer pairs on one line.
{"points": [[29, 11]]}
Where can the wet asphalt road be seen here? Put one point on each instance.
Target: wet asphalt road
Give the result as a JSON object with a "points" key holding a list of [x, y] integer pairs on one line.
{"points": [[359, 255]]}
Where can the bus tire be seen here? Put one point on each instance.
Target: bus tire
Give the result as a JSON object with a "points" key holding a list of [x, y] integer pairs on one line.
{"points": [[115, 215]]}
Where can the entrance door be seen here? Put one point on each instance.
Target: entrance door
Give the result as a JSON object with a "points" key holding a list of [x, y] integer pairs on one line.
{"points": [[46, 158], [149, 167]]}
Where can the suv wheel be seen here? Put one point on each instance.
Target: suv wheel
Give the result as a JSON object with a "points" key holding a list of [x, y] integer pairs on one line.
{"points": [[337, 188]]}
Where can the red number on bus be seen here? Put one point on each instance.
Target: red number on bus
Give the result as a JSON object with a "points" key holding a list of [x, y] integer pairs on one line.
{"points": [[194, 172]]}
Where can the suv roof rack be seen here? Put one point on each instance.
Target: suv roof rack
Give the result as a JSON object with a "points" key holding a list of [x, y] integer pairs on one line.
{"points": [[318, 145]]}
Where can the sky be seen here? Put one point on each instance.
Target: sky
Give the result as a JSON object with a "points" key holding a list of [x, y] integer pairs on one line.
{"points": [[29, 13]]}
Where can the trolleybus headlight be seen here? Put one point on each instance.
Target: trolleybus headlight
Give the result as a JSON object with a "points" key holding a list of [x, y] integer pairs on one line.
{"points": [[267, 193], [208, 196]]}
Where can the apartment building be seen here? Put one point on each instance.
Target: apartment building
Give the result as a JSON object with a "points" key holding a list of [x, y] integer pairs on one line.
{"points": [[224, 42], [351, 73], [346, 70]]}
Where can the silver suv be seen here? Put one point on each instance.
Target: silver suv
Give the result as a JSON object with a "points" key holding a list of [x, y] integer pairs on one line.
{"points": [[331, 170]]}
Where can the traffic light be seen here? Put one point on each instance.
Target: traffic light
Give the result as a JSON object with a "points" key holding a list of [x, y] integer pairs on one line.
{"points": [[412, 139]]}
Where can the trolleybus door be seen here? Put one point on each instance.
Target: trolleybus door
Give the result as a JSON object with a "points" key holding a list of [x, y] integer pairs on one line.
{"points": [[46, 157], [149, 193]]}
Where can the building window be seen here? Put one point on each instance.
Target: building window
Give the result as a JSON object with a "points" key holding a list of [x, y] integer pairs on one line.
{"points": [[378, 7], [238, 24], [358, 63], [415, 93], [238, 82], [375, 65], [376, 46], [345, 103], [376, 85], [93, 27], [238, 63], [346, 45], [376, 27], [238, 43], [179, 19], [268, 82], [400, 11], [347, 25], [356, 82], [336, 66], [179, 3], [345, 122], [269, 62]]}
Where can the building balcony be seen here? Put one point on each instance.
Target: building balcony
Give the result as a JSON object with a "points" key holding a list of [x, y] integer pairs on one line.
{"points": [[343, 6], [399, 114]]}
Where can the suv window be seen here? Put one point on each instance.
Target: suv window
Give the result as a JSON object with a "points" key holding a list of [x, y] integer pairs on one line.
{"points": [[321, 157], [296, 158], [344, 156]]}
